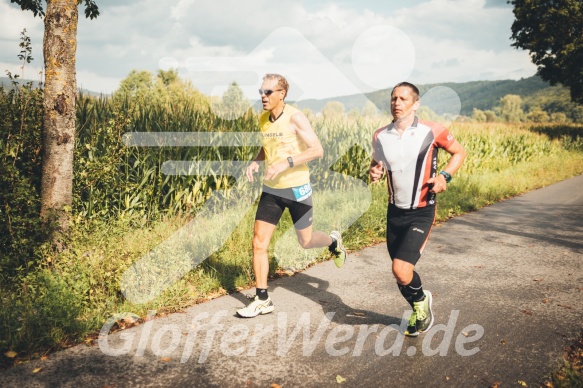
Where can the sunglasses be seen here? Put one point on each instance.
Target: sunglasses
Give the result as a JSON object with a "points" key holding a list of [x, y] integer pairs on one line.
{"points": [[268, 92]]}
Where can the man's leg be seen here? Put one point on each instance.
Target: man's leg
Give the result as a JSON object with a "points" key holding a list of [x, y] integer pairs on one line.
{"points": [[261, 303], [301, 213], [309, 238], [410, 286], [408, 280], [407, 234], [268, 214], [262, 233]]}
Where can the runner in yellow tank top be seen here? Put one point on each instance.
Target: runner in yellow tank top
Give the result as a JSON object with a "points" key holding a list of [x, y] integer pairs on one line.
{"points": [[288, 143], [280, 141]]}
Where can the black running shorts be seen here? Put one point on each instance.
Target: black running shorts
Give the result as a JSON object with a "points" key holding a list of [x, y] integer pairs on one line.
{"points": [[408, 231], [274, 201]]}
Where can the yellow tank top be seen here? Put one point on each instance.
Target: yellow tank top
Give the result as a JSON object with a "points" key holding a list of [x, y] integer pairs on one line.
{"points": [[280, 141]]}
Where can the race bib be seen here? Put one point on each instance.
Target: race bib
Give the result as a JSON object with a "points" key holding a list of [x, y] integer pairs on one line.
{"points": [[302, 192]]}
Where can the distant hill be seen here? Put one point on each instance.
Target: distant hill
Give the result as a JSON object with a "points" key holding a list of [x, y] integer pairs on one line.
{"points": [[483, 95], [7, 85]]}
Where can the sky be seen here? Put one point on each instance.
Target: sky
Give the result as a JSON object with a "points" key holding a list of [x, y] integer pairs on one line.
{"points": [[325, 48]]}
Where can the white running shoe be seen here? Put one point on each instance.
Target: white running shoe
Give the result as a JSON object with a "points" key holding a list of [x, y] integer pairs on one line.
{"points": [[256, 307]]}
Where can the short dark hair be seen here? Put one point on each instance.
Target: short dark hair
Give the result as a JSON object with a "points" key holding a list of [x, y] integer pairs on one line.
{"points": [[413, 88]]}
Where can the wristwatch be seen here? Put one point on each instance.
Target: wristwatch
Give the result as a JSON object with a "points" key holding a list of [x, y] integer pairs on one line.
{"points": [[290, 161], [446, 175]]}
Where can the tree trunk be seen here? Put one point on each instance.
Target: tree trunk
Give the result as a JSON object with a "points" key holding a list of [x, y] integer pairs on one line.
{"points": [[60, 92]]}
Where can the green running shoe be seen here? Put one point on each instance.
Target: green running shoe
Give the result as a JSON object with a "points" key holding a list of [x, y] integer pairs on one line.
{"points": [[424, 312], [340, 252], [411, 330]]}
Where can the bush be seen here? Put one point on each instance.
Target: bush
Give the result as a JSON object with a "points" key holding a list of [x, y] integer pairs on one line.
{"points": [[20, 175]]}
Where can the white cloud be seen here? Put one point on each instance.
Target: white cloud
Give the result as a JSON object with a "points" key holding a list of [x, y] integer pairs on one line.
{"points": [[179, 10], [453, 41], [462, 43], [92, 81], [383, 55], [12, 21], [311, 74]]}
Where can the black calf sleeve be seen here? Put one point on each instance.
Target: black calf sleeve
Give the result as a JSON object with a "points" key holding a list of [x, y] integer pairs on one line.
{"points": [[412, 292]]}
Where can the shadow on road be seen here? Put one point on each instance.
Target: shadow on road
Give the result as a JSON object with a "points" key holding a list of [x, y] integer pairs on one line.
{"points": [[317, 290], [554, 225]]}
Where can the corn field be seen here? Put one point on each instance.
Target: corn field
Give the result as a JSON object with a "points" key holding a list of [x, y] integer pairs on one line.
{"points": [[114, 178]]}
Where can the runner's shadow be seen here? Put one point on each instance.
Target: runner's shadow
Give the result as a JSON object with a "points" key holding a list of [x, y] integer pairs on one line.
{"points": [[316, 289]]}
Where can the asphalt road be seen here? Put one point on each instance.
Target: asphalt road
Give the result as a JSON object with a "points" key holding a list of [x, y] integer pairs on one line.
{"points": [[508, 297]]}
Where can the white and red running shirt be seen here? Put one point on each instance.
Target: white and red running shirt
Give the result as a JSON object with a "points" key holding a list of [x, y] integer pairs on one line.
{"points": [[410, 160]]}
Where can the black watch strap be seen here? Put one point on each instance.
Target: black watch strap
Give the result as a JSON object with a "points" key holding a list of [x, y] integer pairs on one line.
{"points": [[290, 161], [446, 175]]}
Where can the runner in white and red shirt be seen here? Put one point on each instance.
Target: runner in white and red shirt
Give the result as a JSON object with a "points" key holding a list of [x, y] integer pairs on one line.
{"points": [[406, 150]]}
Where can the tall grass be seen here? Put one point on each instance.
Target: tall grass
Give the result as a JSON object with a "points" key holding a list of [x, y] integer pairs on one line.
{"points": [[113, 179]]}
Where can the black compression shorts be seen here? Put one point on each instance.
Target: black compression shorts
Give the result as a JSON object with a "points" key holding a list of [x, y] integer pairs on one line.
{"points": [[274, 201], [408, 231]]}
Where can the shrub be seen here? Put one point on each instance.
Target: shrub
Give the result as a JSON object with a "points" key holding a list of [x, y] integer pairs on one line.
{"points": [[20, 174]]}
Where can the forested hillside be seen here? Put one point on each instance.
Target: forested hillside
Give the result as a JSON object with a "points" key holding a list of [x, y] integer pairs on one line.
{"points": [[482, 95]]}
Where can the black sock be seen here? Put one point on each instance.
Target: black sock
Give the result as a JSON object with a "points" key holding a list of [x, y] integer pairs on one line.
{"points": [[332, 247], [413, 292], [261, 293]]}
